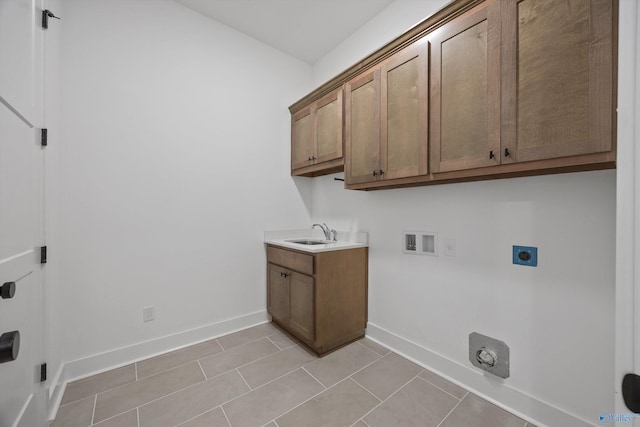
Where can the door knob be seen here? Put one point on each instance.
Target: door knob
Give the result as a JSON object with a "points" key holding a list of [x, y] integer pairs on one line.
{"points": [[8, 290], [9, 346]]}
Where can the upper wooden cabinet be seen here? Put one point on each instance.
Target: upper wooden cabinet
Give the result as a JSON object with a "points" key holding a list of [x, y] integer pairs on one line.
{"points": [[557, 78], [480, 90], [316, 137], [465, 91], [386, 117]]}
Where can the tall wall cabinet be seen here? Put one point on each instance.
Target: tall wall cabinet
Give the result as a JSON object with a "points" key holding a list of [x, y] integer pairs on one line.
{"points": [[481, 89]]}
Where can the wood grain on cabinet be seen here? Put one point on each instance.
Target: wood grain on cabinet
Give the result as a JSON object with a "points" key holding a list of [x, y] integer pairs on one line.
{"points": [[557, 78], [326, 308], [404, 131], [386, 113], [465, 91], [316, 137], [362, 128], [517, 88]]}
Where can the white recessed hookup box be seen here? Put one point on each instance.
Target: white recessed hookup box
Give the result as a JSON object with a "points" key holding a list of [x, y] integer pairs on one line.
{"points": [[420, 243]]}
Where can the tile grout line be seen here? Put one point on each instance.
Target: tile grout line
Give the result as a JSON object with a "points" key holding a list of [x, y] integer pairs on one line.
{"points": [[199, 415], [93, 414], [225, 416], [245, 381], [388, 397], [319, 382], [452, 409], [370, 349], [202, 370], [135, 366], [313, 397], [441, 389], [138, 415]]}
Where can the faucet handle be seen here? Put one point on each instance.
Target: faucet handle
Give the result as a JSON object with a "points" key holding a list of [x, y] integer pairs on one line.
{"points": [[334, 235]]}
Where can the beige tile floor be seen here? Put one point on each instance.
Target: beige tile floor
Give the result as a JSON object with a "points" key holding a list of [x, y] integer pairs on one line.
{"points": [[260, 377]]}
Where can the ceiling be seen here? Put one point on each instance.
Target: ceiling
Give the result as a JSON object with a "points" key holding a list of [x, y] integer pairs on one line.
{"points": [[305, 29]]}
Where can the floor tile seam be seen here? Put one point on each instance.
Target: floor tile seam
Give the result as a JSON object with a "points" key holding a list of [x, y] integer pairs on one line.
{"points": [[364, 367], [135, 366], [452, 409], [248, 342], [441, 389], [281, 348], [156, 399], [202, 370], [312, 376], [382, 401], [93, 413], [277, 378], [310, 398], [138, 416], [96, 393], [370, 349], [243, 365], [145, 378], [360, 420], [181, 365], [199, 415], [245, 381], [225, 416], [260, 386]]}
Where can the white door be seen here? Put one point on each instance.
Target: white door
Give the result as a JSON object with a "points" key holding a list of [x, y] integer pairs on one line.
{"points": [[22, 396]]}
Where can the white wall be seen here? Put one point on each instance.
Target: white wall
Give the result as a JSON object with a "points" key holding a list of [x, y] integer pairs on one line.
{"points": [[558, 318], [175, 159]]}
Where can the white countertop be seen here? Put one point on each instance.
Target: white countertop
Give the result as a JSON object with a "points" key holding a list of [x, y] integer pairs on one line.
{"points": [[346, 240]]}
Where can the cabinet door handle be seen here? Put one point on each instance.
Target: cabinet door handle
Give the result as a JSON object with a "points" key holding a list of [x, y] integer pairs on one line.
{"points": [[491, 155], [380, 172], [375, 173], [285, 274], [507, 153]]}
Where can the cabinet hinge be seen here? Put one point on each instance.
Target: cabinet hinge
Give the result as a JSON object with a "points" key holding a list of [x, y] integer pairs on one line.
{"points": [[46, 14], [43, 372], [43, 255], [44, 137]]}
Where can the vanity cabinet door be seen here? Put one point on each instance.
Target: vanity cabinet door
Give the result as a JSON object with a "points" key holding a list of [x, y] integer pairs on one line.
{"points": [[302, 309], [557, 78], [278, 293], [465, 91]]}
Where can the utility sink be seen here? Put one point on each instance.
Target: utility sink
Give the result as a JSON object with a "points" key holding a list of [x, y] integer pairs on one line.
{"points": [[308, 242]]}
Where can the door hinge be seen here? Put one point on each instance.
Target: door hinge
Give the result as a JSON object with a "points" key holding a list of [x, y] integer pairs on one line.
{"points": [[46, 14], [44, 137], [43, 372], [43, 255]]}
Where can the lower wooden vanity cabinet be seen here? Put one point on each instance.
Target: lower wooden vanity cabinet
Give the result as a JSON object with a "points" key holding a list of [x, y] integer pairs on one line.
{"points": [[320, 298]]}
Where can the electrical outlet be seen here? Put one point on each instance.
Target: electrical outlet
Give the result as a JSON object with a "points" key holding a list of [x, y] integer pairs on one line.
{"points": [[450, 247], [148, 314]]}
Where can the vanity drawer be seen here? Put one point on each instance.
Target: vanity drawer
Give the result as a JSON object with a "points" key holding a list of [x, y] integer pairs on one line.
{"points": [[297, 261]]}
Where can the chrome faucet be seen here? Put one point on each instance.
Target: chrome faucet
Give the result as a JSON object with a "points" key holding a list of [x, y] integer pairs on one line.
{"points": [[329, 233]]}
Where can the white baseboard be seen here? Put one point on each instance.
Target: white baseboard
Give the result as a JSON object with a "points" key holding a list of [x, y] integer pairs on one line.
{"points": [[97, 363], [515, 401]]}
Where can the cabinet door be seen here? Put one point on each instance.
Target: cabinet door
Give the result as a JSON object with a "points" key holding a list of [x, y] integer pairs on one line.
{"points": [[557, 79], [302, 313], [328, 127], [465, 91], [278, 293], [404, 115], [362, 128], [302, 141]]}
